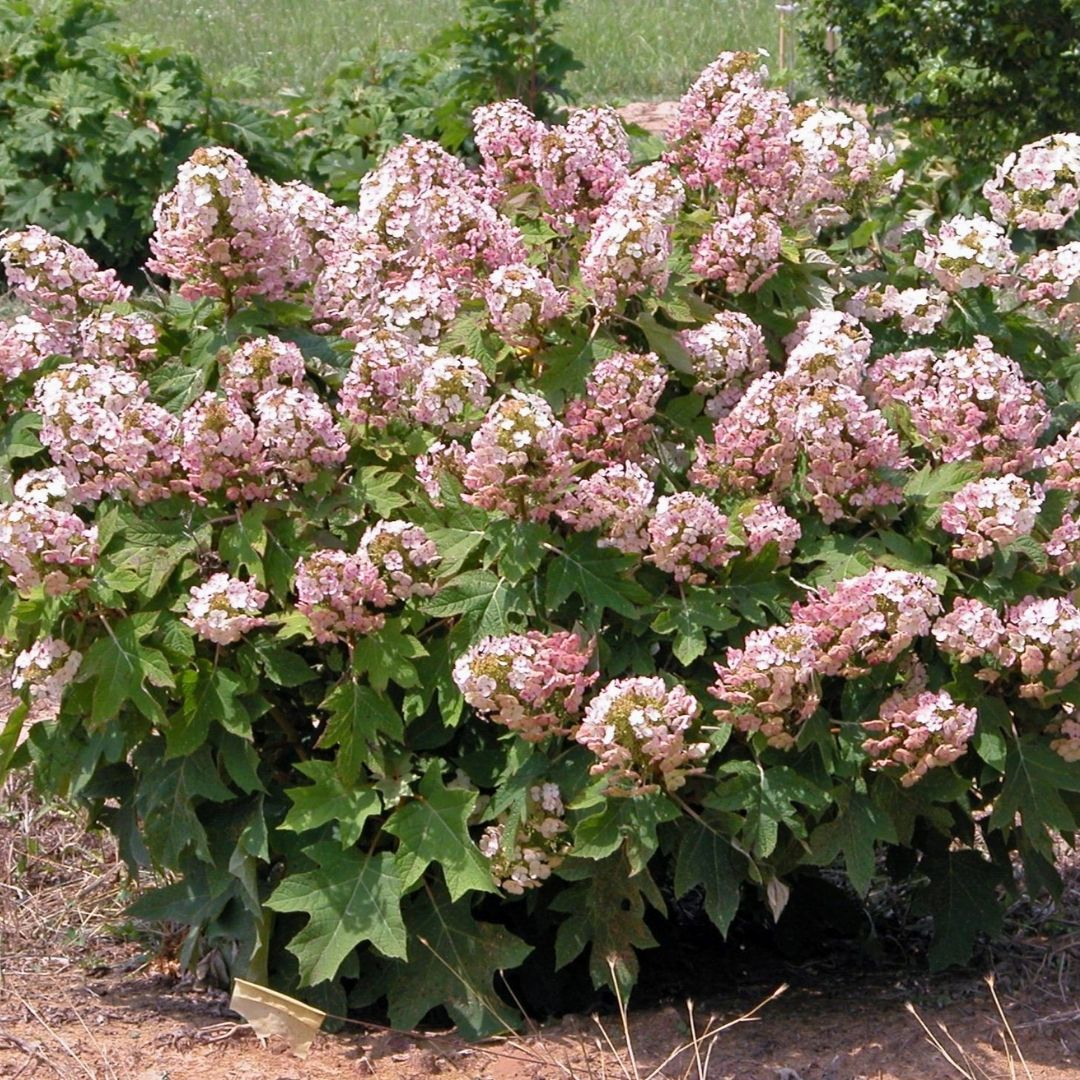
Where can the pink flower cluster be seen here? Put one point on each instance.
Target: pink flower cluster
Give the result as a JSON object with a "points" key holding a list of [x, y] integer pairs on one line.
{"points": [[611, 422], [828, 346], [967, 252], [573, 167], [340, 594], [1042, 639], [1067, 743], [629, 247], [100, 427], [49, 487], [59, 283], [25, 344], [531, 683], [344, 594], [1048, 279], [1038, 187], [841, 162], [869, 620], [616, 501], [972, 630], [452, 395], [45, 669], [763, 522], [746, 157], [1038, 638], [966, 404], [405, 557], [639, 731], [991, 513], [46, 547], [517, 461], [65, 292], [423, 236], [919, 732], [699, 107], [215, 233], [124, 340], [223, 609], [521, 302], [920, 311], [258, 366], [223, 233], [381, 384], [1062, 461], [688, 537], [755, 164], [771, 684], [1062, 547], [847, 447], [524, 853], [741, 251], [251, 451], [727, 354]]}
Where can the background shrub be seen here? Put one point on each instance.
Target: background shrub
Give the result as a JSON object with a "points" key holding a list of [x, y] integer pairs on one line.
{"points": [[497, 49], [94, 123], [991, 74]]}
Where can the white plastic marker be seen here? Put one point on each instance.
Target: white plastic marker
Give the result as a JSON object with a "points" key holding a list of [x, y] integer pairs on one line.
{"points": [[270, 1013]]}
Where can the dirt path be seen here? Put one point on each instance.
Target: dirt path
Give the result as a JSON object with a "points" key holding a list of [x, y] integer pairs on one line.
{"points": [[150, 1027]]}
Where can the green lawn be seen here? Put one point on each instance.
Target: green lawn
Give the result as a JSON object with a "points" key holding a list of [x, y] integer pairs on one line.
{"points": [[631, 49]]}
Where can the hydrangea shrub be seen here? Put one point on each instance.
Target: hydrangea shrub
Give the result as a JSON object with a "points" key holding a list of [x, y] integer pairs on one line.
{"points": [[564, 532]]}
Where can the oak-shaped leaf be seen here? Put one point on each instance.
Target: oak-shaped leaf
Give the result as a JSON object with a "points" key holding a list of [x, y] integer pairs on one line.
{"points": [[853, 833], [606, 914], [328, 799], [453, 961], [433, 827], [707, 858], [351, 897], [962, 898]]}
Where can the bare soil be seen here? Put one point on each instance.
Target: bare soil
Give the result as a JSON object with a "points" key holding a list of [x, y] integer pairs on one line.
{"points": [[84, 994]]}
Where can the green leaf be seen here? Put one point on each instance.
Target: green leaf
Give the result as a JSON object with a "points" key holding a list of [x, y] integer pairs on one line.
{"points": [[932, 485], [453, 962], [9, 734], [606, 909], [853, 833], [962, 897], [208, 695], [487, 601], [1035, 777], [387, 656], [598, 576], [358, 715], [243, 545], [121, 666], [665, 342], [375, 485], [328, 799], [769, 798], [455, 546], [153, 549], [633, 820], [167, 796], [688, 618], [434, 828], [706, 858], [994, 732], [351, 897], [282, 665]]}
